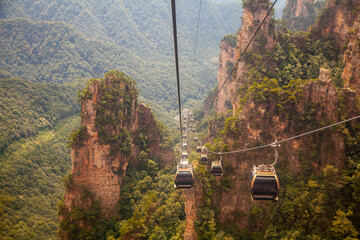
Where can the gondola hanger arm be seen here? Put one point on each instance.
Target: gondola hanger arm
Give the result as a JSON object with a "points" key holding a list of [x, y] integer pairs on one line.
{"points": [[275, 145]]}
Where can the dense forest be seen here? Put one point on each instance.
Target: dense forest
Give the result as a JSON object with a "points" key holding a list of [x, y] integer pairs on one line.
{"points": [[55, 47], [50, 49], [36, 120], [88, 38]]}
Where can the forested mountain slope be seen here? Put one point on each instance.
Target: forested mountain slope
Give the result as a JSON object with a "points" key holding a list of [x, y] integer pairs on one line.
{"points": [[26, 108], [141, 26], [138, 33], [36, 119], [49, 43]]}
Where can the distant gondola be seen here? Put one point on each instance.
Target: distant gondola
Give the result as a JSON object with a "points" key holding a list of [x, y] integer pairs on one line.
{"points": [[196, 139], [216, 168], [264, 183], [199, 149], [184, 177], [203, 158], [184, 155]]}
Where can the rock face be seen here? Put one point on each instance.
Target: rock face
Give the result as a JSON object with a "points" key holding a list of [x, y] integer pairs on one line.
{"points": [[275, 114], [337, 21], [351, 72], [253, 13], [192, 198], [341, 21], [299, 14], [318, 102], [226, 63], [114, 130]]}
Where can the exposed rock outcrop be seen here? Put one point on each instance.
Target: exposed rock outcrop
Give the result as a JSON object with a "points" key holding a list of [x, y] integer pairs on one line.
{"points": [[226, 64], [253, 13], [115, 128], [337, 21], [351, 72], [192, 198], [299, 14], [272, 113]]}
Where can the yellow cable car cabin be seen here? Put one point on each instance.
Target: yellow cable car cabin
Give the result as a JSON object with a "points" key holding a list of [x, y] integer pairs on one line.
{"points": [[216, 168], [198, 149], [264, 183], [184, 177], [204, 158]]}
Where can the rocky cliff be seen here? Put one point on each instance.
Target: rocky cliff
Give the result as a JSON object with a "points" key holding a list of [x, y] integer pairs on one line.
{"points": [[267, 110], [253, 14], [341, 21], [226, 63], [266, 118], [300, 14], [115, 128]]}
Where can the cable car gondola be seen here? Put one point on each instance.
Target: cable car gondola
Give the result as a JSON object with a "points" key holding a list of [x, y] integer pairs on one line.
{"points": [[264, 183], [184, 155], [184, 145], [184, 137], [194, 130], [216, 168], [198, 149], [196, 139], [184, 177], [203, 158]]}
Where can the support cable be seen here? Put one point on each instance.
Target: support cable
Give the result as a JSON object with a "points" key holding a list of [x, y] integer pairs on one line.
{"points": [[173, 8], [286, 139], [196, 37], [241, 56]]}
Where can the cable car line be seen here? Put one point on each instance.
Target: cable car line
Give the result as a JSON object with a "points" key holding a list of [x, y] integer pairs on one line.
{"points": [[173, 8], [239, 59], [196, 37], [286, 139]]}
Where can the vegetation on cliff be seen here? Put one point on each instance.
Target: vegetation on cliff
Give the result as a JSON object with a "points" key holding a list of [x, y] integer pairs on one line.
{"points": [[314, 203], [300, 19], [300, 58], [149, 207]]}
